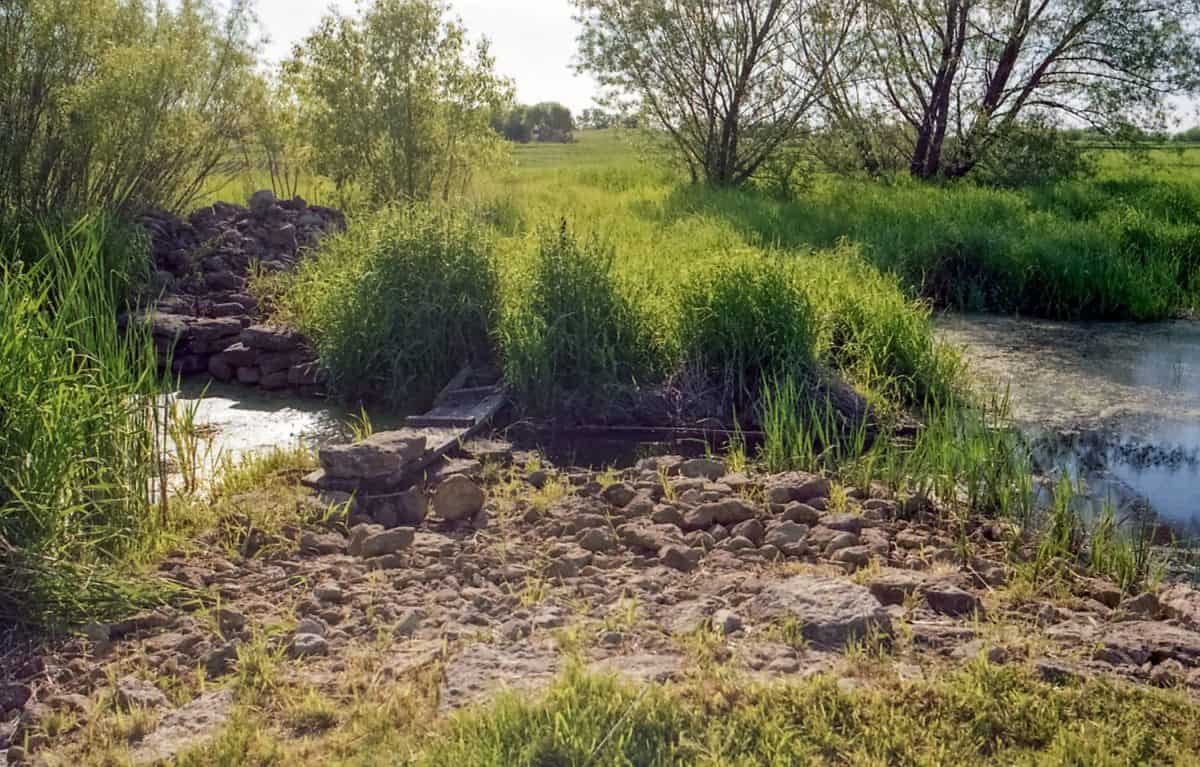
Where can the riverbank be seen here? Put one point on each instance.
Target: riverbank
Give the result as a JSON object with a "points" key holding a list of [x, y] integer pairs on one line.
{"points": [[308, 639]]}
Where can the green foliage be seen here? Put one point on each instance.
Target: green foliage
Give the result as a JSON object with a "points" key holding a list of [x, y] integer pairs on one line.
{"points": [[547, 122], [394, 102], [119, 102], [79, 460], [396, 304], [1032, 153], [744, 323], [571, 326], [980, 714]]}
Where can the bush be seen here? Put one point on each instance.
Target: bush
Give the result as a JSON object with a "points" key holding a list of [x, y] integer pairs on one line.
{"points": [[1032, 154], [744, 323], [396, 304], [571, 328]]}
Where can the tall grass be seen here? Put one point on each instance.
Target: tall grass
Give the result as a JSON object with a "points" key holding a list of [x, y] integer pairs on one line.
{"points": [[571, 326], [745, 322], [78, 458], [396, 304]]}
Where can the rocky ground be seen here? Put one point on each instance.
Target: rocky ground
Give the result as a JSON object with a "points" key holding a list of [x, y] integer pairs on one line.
{"points": [[650, 573]]}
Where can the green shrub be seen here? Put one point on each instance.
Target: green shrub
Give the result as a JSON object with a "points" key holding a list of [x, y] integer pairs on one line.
{"points": [[746, 322], [396, 304], [570, 326]]}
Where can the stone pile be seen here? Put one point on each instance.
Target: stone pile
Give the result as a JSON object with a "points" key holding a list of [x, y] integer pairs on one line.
{"points": [[204, 320], [392, 478]]}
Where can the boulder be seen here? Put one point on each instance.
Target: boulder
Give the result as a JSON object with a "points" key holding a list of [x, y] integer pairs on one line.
{"points": [[383, 454], [458, 498], [272, 338], [830, 611]]}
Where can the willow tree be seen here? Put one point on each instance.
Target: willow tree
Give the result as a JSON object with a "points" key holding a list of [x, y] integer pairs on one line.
{"points": [[396, 101], [962, 75], [730, 81]]}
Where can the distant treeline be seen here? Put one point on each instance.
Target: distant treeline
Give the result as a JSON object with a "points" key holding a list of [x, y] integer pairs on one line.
{"points": [[551, 122]]}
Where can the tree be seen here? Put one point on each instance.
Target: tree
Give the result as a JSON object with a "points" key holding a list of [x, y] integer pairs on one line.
{"points": [[120, 103], [551, 122], [962, 75], [730, 81], [396, 101], [596, 119]]}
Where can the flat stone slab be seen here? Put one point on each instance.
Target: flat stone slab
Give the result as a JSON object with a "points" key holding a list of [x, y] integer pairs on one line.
{"points": [[184, 728], [484, 669], [831, 611]]}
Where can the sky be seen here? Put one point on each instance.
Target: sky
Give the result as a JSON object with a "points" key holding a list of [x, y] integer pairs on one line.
{"points": [[533, 41]]}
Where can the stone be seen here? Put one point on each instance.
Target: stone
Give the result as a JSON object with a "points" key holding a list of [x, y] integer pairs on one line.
{"points": [[458, 498], [133, 692], [707, 468], [230, 620], [184, 728], [13, 696], [1144, 606], [727, 622], [330, 592], [383, 454], [848, 523], [751, 529], [841, 540], [1105, 592], [853, 557], [788, 537], [597, 539], [409, 621], [312, 542], [951, 600], [679, 557], [800, 512], [797, 486], [220, 659], [728, 512], [378, 544], [894, 586], [271, 338], [830, 611], [305, 645], [248, 375], [567, 562], [666, 515], [261, 202], [619, 494], [648, 537]]}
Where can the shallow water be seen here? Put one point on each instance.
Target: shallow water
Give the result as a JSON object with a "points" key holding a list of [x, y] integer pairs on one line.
{"points": [[1115, 403]]}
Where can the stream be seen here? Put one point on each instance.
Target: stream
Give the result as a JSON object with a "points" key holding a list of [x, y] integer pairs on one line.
{"points": [[1114, 404]]}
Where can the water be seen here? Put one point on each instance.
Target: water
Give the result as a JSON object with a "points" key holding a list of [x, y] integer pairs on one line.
{"points": [[1115, 403]]}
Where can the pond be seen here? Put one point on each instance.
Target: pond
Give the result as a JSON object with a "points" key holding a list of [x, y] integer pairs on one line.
{"points": [[1114, 403]]}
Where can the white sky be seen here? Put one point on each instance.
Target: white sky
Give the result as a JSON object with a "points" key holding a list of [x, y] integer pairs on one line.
{"points": [[533, 40]]}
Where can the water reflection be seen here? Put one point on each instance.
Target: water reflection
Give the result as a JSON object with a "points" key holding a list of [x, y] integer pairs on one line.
{"points": [[1117, 404]]}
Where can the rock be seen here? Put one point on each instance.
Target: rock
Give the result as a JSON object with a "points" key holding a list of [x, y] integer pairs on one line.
{"points": [[618, 494], [133, 692], [220, 659], [848, 523], [261, 202], [647, 537], [830, 611], [1105, 592], [894, 587], [1144, 606], [1169, 673], [666, 515], [726, 622], [568, 561], [184, 728], [458, 498], [796, 486], [707, 468], [377, 544], [330, 592], [271, 338], [13, 696], [305, 645], [951, 600], [679, 557], [15, 755], [409, 622], [853, 557], [597, 539], [841, 541], [728, 512], [312, 542], [801, 513], [383, 454], [751, 529], [229, 620]]}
